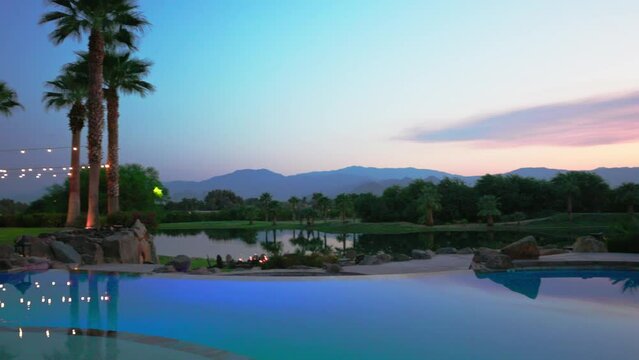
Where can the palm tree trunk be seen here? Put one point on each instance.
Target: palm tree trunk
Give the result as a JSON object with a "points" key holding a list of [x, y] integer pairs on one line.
{"points": [[429, 217], [569, 208], [96, 124], [113, 160], [490, 220], [631, 208], [73, 210]]}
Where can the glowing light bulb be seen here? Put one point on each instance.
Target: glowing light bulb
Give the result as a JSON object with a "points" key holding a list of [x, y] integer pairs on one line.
{"points": [[49, 150], [75, 148], [47, 333], [23, 151]]}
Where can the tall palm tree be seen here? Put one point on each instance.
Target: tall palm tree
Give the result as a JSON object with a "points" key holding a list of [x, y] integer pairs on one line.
{"points": [[429, 201], [567, 185], [8, 99], [628, 195], [265, 201], [488, 206], [69, 90], [122, 74], [294, 202], [111, 21]]}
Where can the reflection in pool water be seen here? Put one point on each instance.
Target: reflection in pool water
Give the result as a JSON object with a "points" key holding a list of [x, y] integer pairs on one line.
{"points": [[243, 243], [458, 315]]}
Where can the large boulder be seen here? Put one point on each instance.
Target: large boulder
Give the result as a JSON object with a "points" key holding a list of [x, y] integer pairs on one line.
{"points": [[181, 263], [332, 268], [121, 247], [446, 251], [525, 248], [465, 251], [370, 260], [490, 259], [401, 257], [5, 264], [65, 253], [139, 230], [384, 258], [589, 244], [421, 254], [90, 251], [41, 247]]}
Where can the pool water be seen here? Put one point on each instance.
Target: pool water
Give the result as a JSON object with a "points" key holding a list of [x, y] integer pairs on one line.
{"points": [[455, 315]]}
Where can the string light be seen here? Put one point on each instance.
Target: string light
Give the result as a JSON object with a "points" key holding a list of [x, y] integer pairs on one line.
{"points": [[48, 149], [53, 171]]}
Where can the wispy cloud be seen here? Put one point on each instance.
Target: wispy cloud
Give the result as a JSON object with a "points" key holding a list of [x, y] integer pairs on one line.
{"points": [[590, 122]]}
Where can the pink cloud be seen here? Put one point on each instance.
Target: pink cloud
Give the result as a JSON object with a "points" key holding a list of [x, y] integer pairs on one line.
{"points": [[586, 123]]}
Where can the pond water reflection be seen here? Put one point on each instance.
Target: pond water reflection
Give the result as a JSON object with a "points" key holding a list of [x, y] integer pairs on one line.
{"points": [[243, 243]]}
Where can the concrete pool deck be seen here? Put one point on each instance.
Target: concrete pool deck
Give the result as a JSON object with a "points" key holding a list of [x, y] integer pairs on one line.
{"points": [[438, 263]]}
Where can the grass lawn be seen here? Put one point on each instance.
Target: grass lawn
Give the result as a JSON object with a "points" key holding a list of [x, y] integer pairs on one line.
{"points": [[8, 235], [591, 222]]}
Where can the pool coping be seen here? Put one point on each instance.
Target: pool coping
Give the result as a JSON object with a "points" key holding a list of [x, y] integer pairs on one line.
{"points": [[152, 340]]}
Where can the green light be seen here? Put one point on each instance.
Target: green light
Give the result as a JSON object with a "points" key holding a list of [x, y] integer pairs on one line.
{"points": [[158, 192]]}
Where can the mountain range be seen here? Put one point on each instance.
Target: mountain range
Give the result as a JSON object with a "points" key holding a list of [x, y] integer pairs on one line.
{"points": [[354, 179]]}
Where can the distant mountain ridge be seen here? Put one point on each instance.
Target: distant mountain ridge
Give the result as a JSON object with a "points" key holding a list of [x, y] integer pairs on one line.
{"points": [[358, 179]]}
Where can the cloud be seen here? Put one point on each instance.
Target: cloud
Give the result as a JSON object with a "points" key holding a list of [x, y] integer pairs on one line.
{"points": [[590, 122]]}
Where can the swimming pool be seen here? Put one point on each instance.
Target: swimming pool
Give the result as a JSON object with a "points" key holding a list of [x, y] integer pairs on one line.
{"points": [[455, 315]]}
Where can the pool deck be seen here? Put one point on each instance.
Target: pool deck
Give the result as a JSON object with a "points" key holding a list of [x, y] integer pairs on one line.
{"points": [[438, 263]]}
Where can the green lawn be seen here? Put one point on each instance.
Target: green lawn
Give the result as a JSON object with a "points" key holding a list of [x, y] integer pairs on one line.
{"points": [[8, 235]]}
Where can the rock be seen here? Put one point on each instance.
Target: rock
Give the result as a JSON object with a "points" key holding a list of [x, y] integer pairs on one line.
{"points": [[401, 257], [58, 265], [165, 269], [384, 258], [5, 264], [588, 244], [332, 268], [446, 250], [465, 251], [421, 254], [41, 247], [545, 252], [139, 230], [65, 253], [200, 271], [17, 260], [228, 260], [489, 259], [350, 254], [370, 260], [37, 263], [145, 251], [6, 251], [181, 263], [121, 247], [90, 252], [525, 248]]}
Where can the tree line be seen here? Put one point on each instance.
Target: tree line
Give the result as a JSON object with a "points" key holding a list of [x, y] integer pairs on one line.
{"points": [[507, 197]]}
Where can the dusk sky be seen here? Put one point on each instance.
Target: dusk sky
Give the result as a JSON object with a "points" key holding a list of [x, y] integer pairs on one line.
{"points": [[466, 87]]}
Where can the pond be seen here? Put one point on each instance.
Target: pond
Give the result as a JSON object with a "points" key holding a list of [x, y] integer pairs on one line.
{"points": [[242, 243]]}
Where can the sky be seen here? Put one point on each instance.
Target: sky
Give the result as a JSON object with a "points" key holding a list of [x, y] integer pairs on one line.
{"points": [[466, 87]]}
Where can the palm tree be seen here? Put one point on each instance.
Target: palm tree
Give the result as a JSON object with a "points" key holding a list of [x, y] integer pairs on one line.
{"points": [[8, 99], [344, 204], [69, 90], [567, 185], [294, 202], [122, 74], [111, 21], [628, 195], [429, 202], [488, 206], [265, 203]]}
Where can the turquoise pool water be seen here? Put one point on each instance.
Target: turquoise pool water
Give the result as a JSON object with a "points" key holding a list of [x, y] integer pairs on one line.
{"points": [[523, 315]]}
